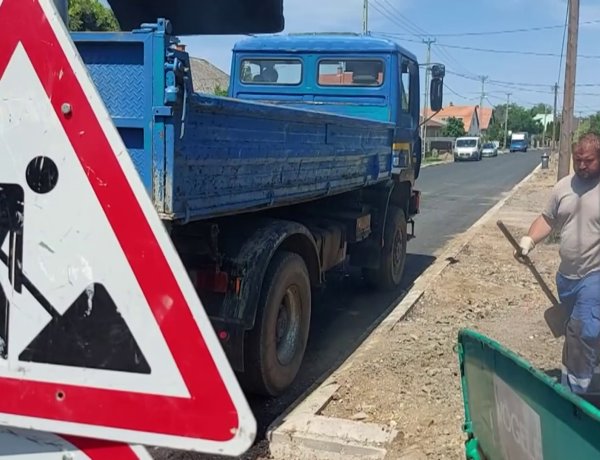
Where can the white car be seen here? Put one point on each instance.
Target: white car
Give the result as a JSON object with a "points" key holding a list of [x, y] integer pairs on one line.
{"points": [[489, 150]]}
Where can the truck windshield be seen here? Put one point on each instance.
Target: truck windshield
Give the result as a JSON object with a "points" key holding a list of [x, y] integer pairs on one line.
{"points": [[351, 72], [466, 142], [271, 71]]}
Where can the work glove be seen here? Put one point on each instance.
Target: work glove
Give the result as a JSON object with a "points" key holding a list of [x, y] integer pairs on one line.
{"points": [[526, 245]]}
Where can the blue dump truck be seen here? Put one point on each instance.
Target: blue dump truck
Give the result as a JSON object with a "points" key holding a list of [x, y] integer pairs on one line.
{"points": [[311, 162]]}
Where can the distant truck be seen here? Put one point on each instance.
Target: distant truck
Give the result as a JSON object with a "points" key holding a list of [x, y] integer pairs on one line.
{"points": [[519, 142], [310, 162]]}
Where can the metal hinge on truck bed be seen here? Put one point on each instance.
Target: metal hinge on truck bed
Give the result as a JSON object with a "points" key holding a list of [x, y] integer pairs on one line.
{"points": [[177, 77]]}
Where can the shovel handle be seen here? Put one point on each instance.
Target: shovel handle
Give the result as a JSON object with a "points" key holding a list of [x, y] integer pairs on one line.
{"points": [[529, 263], [509, 237]]}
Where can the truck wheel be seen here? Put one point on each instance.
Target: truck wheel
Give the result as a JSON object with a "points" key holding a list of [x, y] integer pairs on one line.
{"points": [[393, 258], [276, 345]]}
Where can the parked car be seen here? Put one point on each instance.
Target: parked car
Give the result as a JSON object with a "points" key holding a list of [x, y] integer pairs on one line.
{"points": [[489, 150], [467, 148]]}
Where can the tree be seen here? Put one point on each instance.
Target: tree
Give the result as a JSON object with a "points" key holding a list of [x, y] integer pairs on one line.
{"points": [[585, 126], [590, 124], [595, 123], [550, 129], [454, 128], [91, 15], [495, 131], [540, 109], [519, 119]]}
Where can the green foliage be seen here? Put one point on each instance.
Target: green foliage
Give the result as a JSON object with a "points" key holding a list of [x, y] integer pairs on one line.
{"points": [[220, 91], [595, 123], [520, 119], [588, 125], [91, 15], [495, 131], [550, 129], [454, 128], [540, 109]]}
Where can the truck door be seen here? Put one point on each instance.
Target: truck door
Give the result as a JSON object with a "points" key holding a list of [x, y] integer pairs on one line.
{"points": [[408, 113]]}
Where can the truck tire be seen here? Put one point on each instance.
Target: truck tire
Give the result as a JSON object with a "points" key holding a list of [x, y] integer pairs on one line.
{"points": [[393, 258], [275, 346]]}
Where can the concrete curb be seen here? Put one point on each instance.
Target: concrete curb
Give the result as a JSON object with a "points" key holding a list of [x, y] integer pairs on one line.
{"points": [[303, 433], [437, 163]]}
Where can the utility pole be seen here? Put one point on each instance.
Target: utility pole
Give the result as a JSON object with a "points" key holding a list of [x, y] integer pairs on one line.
{"points": [[483, 78], [555, 116], [365, 17], [545, 125], [506, 120], [428, 42], [566, 128]]}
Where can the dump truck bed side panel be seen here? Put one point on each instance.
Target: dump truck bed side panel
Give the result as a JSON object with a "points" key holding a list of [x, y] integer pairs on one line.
{"points": [[238, 156], [202, 156]]}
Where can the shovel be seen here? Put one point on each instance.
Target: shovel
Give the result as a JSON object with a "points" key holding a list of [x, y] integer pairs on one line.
{"points": [[556, 316]]}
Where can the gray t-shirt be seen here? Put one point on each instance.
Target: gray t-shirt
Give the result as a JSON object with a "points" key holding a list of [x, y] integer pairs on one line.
{"points": [[574, 210]]}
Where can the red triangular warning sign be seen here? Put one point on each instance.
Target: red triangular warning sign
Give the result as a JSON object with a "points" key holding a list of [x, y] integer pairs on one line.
{"points": [[20, 443], [101, 332]]}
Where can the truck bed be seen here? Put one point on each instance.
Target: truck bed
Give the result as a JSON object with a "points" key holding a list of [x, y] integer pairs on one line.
{"points": [[203, 156]]}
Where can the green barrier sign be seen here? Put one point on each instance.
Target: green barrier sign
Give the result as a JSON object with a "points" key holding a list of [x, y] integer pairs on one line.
{"points": [[516, 412]]}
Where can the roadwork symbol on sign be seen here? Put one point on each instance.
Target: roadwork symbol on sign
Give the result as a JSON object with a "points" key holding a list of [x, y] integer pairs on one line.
{"points": [[101, 332]]}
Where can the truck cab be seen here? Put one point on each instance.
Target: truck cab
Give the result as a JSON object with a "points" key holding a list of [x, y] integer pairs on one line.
{"points": [[345, 74]]}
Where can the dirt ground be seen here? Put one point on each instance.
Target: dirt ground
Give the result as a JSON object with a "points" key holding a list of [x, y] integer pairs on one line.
{"points": [[411, 380]]}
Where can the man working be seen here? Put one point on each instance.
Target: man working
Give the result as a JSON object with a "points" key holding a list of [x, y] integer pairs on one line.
{"points": [[573, 211]]}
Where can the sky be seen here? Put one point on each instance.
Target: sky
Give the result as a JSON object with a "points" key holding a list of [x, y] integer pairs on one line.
{"points": [[528, 77]]}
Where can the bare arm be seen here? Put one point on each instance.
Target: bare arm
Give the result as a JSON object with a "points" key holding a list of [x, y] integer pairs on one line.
{"points": [[540, 229]]}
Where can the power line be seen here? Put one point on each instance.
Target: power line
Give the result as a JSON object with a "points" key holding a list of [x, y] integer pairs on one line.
{"points": [[456, 93], [404, 18], [523, 86], [499, 51], [394, 15], [524, 53], [508, 31]]}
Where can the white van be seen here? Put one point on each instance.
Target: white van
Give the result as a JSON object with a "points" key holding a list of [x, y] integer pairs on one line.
{"points": [[467, 148]]}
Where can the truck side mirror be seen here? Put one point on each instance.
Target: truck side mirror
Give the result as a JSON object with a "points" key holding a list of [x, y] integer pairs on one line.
{"points": [[437, 94], [438, 71]]}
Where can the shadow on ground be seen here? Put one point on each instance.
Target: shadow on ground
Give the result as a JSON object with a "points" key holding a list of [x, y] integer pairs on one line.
{"points": [[343, 315]]}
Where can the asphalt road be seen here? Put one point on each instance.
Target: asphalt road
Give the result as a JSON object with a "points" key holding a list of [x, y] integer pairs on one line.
{"points": [[454, 196]]}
